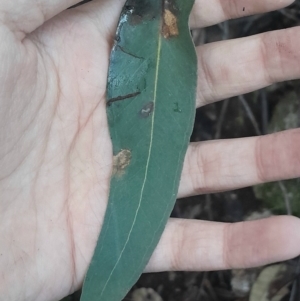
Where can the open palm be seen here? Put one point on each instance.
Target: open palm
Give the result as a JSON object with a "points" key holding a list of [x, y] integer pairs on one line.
{"points": [[56, 157]]}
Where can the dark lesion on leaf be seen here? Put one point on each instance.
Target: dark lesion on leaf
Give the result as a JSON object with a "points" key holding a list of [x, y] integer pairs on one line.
{"points": [[131, 54], [147, 109], [121, 161], [170, 22], [122, 97], [140, 10]]}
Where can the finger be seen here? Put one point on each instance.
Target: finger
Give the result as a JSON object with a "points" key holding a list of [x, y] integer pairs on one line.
{"points": [[24, 16], [235, 67], [204, 13], [231, 164], [192, 245], [207, 13], [211, 12], [228, 68]]}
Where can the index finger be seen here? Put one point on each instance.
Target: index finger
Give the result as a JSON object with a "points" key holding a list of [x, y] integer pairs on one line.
{"points": [[206, 13], [24, 16], [194, 245]]}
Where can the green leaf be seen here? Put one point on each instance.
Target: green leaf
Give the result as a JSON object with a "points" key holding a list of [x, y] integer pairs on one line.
{"points": [[150, 106]]}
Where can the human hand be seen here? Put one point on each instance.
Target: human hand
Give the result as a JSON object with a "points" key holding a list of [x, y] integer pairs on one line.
{"points": [[56, 158]]}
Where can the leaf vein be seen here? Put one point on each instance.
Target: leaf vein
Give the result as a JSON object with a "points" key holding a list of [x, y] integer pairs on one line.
{"points": [[147, 164]]}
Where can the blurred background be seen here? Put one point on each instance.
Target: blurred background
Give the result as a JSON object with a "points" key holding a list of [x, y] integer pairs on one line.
{"points": [[269, 110]]}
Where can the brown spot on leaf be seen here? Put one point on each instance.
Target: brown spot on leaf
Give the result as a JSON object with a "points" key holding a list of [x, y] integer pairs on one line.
{"points": [[170, 27], [121, 161]]}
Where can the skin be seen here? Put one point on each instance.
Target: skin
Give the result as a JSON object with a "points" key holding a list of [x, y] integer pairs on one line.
{"points": [[55, 151]]}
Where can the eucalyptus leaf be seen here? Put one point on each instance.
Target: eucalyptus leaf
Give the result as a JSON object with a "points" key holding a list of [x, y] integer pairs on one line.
{"points": [[150, 106]]}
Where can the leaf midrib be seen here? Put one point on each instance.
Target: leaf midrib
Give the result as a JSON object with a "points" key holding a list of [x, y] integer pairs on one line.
{"points": [[148, 160]]}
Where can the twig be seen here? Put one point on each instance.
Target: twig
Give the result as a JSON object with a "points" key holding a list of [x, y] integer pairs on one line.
{"points": [[208, 207], [201, 288], [210, 290], [224, 26], [225, 30], [285, 197], [250, 114], [252, 21], [221, 118], [298, 110], [199, 36], [265, 112], [287, 14], [296, 282]]}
